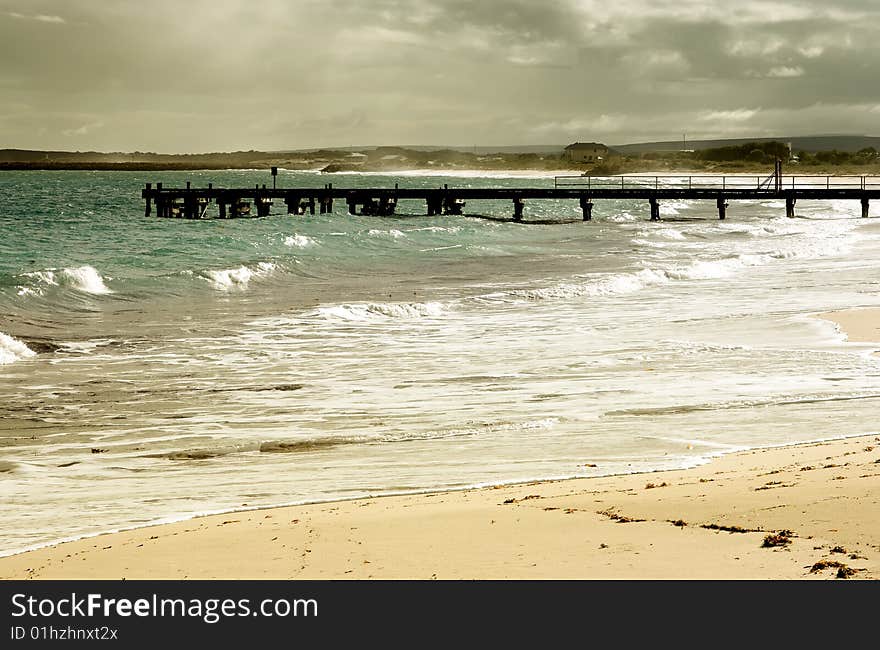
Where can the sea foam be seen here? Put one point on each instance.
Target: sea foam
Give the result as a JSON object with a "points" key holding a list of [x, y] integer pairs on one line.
{"points": [[12, 349]]}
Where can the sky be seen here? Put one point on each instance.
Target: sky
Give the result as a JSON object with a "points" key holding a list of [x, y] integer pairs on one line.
{"points": [[181, 76]]}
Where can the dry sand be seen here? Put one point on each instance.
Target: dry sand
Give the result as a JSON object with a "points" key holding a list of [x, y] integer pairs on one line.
{"points": [[707, 522], [859, 325]]}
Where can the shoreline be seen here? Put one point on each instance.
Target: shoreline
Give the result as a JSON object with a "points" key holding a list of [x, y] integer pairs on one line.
{"points": [[708, 521]]}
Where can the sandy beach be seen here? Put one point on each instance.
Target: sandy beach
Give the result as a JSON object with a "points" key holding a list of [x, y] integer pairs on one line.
{"points": [[806, 511], [859, 325]]}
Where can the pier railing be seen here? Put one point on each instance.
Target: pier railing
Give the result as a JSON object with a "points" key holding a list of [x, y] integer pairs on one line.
{"points": [[709, 182]]}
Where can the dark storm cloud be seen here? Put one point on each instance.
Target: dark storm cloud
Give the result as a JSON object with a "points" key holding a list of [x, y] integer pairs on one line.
{"points": [[199, 75]]}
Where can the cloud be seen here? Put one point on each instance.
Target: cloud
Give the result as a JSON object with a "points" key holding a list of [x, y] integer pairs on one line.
{"points": [[208, 75], [42, 18], [739, 115], [85, 129], [785, 72]]}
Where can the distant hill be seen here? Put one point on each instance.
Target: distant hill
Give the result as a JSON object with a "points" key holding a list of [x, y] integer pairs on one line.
{"points": [[475, 149], [396, 158], [812, 143], [331, 160]]}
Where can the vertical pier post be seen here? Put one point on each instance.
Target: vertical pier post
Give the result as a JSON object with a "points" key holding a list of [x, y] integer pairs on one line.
{"points": [[789, 205], [435, 204], [722, 207], [189, 206], [655, 208], [222, 204], [148, 207], [518, 205], [160, 202], [351, 199], [292, 201], [264, 204], [865, 205], [587, 208], [327, 200], [311, 205]]}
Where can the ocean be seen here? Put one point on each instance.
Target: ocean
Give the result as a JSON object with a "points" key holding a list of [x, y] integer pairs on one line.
{"points": [[156, 369]]}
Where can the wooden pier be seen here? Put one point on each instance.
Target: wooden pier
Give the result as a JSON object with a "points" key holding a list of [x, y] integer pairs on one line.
{"points": [[194, 202]]}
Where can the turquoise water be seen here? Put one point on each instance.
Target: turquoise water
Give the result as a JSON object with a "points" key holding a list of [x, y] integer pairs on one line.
{"points": [[153, 369]]}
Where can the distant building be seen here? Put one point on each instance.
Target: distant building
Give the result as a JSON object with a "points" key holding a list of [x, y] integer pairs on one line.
{"points": [[586, 152]]}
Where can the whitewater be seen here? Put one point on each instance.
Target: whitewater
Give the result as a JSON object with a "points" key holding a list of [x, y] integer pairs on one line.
{"points": [[156, 369]]}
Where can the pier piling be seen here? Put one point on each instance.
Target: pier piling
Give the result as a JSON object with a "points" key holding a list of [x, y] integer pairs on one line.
{"points": [[587, 208], [790, 200], [722, 207], [452, 205], [518, 205], [655, 208], [865, 205], [435, 204]]}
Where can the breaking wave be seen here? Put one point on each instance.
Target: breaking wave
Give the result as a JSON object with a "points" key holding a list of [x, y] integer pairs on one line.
{"points": [[299, 241], [229, 279], [393, 233], [368, 311], [12, 350], [81, 278]]}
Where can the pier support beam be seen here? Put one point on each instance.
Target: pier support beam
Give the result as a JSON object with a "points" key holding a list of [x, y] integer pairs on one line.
{"points": [[326, 204], [865, 205], [789, 206], [387, 205], [238, 207], [655, 209], [370, 207], [351, 199], [451, 205], [435, 205], [722, 207], [222, 205], [587, 208], [518, 205], [264, 204]]}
